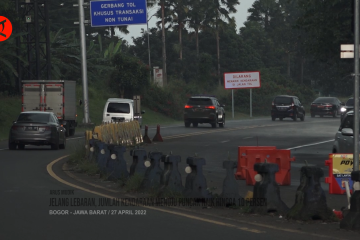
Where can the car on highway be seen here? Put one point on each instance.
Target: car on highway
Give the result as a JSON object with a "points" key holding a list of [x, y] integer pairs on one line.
{"points": [[121, 110], [37, 128], [204, 109], [326, 106], [285, 106], [344, 136], [349, 105]]}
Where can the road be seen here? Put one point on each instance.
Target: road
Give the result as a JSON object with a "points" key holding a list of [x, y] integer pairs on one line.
{"points": [[26, 186]]}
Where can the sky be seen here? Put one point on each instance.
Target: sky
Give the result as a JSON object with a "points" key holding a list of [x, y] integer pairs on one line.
{"points": [[135, 30]]}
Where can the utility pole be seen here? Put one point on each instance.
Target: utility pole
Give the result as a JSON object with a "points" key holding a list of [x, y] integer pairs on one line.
{"points": [[35, 14], [356, 89], [163, 40], [83, 61], [148, 37]]}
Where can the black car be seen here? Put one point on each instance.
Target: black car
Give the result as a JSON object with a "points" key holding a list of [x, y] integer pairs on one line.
{"points": [[285, 106], [204, 109], [349, 105], [326, 106], [37, 128]]}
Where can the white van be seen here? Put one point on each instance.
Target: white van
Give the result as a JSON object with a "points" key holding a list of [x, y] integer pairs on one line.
{"points": [[120, 110]]}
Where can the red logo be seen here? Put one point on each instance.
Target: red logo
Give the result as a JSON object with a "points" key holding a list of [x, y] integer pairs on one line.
{"points": [[5, 28]]}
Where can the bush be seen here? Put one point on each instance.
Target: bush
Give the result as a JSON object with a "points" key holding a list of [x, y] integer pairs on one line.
{"points": [[170, 100]]}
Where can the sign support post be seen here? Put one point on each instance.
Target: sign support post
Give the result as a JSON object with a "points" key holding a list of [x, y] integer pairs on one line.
{"points": [[232, 102], [239, 80], [251, 102], [356, 90], [83, 61]]}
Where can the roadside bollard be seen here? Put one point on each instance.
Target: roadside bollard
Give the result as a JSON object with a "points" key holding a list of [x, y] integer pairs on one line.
{"points": [[146, 138], [230, 186], [103, 156], [157, 137], [351, 220], [138, 164], [266, 188], [116, 164], [171, 177], [93, 150], [310, 203], [195, 185], [153, 172]]}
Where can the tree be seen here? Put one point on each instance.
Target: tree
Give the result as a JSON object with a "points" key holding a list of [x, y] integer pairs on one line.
{"points": [[218, 13], [129, 75], [196, 17], [176, 15]]}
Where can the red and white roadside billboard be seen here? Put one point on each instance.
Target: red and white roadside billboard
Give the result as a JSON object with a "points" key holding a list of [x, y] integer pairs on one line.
{"points": [[239, 80]]}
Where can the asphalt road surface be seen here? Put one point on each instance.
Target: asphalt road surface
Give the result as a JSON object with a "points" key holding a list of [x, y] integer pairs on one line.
{"points": [[27, 189]]}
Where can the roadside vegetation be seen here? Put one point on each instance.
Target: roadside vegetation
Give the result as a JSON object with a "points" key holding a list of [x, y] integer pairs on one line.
{"points": [[295, 53]]}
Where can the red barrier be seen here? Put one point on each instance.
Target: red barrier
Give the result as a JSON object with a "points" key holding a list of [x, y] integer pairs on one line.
{"points": [[157, 137], [336, 180], [146, 137], [242, 159], [278, 156]]}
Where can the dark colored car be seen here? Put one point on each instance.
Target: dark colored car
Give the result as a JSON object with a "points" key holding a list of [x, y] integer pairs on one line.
{"points": [[349, 105], [325, 106], [285, 106], [204, 109], [37, 128]]}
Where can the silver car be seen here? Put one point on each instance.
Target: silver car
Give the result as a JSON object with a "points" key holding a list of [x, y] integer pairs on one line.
{"points": [[344, 140], [37, 128]]}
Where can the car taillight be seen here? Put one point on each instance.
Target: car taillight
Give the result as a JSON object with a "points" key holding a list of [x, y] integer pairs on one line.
{"points": [[17, 128], [210, 107], [188, 106], [43, 129]]}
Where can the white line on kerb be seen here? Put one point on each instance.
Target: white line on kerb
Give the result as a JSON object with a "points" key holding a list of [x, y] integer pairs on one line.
{"points": [[309, 145]]}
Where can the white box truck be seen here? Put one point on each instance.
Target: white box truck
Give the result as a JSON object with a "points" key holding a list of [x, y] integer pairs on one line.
{"points": [[57, 96]]}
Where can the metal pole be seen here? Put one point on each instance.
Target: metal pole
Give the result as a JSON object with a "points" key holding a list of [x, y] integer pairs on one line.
{"points": [[47, 32], [356, 89], [18, 64], [147, 30], [83, 60], [37, 44], [163, 41], [251, 102], [232, 102]]}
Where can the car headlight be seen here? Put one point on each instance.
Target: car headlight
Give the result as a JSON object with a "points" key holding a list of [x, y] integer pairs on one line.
{"points": [[342, 109]]}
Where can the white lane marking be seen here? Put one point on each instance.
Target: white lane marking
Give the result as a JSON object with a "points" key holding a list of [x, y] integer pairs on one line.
{"points": [[309, 145], [225, 141], [248, 137]]}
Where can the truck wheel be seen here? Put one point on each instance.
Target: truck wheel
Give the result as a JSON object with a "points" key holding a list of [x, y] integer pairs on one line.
{"points": [[72, 132]]}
